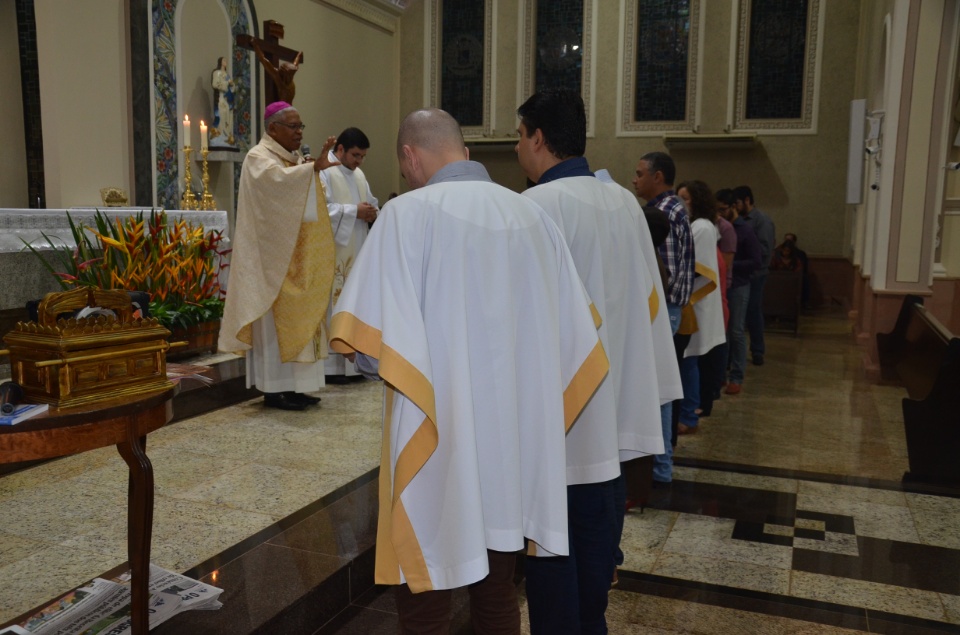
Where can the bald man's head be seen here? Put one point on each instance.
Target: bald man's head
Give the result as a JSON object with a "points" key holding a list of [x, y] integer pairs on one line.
{"points": [[431, 129], [428, 140]]}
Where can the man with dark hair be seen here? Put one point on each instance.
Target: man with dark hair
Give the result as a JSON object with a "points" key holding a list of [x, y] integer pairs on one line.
{"points": [[766, 233], [352, 207], [467, 302], [746, 261], [654, 183], [600, 223]]}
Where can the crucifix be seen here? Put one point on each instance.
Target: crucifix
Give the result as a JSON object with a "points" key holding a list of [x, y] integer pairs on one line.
{"points": [[279, 62]]}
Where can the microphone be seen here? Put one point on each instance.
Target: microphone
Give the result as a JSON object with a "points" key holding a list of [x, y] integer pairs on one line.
{"points": [[305, 151], [10, 395]]}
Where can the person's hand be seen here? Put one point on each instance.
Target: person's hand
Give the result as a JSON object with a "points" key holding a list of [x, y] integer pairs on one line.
{"points": [[351, 356], [322, 162], [366, 212]]}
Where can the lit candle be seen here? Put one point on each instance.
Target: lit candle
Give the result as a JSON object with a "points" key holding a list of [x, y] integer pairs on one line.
{"points": [[203, 135], [186, 131]]}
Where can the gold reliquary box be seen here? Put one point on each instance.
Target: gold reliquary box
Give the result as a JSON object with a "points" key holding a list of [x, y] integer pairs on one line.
{"points": [[72, 361]]}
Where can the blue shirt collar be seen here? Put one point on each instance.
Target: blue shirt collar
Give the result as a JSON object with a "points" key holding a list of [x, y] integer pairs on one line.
{"points": [[576, 166]]}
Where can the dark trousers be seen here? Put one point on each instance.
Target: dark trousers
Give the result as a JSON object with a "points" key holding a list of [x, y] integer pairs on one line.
{"points": [[712, 371], [494, 607], [755, 315], [568, 594], [680, 345]]}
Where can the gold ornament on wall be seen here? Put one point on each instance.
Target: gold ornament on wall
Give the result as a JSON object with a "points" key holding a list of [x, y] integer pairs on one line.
{"points": [[113, 196]]}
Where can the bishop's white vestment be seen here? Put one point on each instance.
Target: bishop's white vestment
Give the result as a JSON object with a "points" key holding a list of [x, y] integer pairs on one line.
{"points": [[281, 271], [345, 189], [705, 299], [622, 421], [469, 298]]}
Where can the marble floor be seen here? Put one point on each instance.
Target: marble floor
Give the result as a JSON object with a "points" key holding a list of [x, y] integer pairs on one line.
{"points": [[787, 514]]}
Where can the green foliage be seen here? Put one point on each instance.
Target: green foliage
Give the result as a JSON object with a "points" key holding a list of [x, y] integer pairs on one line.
{"points": [[177, 264]]}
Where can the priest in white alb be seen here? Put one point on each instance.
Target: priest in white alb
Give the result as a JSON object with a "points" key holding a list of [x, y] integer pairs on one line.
{"points": [[352, 206], [467, 303], [281, 267]]}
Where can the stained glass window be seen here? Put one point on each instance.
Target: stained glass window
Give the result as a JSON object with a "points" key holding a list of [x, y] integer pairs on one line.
{"points": [[777, 59], [461, 76], [663, 46], [559, 45]]}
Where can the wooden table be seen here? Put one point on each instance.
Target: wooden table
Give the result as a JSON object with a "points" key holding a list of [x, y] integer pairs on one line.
{"points": [[124, 422]]}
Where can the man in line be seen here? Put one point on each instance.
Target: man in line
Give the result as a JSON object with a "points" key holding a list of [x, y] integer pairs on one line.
{"points": [[466, 301], [746, 261], [653, 182], [766, 233], [282, 266], [352, 206], [622, 420]]}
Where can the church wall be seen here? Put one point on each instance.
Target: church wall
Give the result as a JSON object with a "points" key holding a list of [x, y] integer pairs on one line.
{"points": [[349, 78], [204, 34], [799, 179], [84, 87], [950, 246], [13, 157]]}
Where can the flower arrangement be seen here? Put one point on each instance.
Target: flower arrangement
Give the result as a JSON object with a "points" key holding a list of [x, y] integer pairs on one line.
{"points": [[176, 263]]}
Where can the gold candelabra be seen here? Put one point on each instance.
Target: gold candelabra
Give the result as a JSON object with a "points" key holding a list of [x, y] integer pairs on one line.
{"points": [[207, 202], [188, 201]]}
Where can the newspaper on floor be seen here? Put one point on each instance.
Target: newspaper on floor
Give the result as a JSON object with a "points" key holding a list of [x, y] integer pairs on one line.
{"points": [[189, 372], [103, 606]]}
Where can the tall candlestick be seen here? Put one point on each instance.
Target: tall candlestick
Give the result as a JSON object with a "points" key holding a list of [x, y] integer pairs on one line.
{"points": [[203, 135], [186, 131]]}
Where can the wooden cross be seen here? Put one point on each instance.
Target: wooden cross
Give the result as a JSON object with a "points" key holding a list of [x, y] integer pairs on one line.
{"points": [[279, 85]]}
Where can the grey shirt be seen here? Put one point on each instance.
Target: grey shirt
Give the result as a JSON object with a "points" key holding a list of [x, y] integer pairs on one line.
{"points": [[766, 233]]}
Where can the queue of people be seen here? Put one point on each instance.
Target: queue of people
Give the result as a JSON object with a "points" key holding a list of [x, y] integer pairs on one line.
{"points": [[531, 345]]}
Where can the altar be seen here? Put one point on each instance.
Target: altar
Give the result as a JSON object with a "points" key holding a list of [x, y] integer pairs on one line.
{"points": [[25, 277]]}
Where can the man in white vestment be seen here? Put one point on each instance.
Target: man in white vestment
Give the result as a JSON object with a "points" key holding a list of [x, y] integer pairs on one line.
{"points": [[669, 386], [352, 206], [622, 420], [466, 301], [281, 267]]}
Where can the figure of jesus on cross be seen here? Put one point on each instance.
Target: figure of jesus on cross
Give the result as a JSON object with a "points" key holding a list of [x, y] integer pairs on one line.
{"points": [[279, 62]]}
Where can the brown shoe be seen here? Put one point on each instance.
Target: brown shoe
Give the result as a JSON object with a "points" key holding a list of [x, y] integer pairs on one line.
{"points": [[683, 428], [733, 389]]}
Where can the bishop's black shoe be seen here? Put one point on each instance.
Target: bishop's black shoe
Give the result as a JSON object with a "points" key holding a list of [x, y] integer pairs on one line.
{"points": [[282, 401], [305, 399]]}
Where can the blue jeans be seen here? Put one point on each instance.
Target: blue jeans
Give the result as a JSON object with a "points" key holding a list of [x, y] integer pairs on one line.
{"points": [[690, 378], [663, 463], [738, 299], [755, 314], [566, 591]]}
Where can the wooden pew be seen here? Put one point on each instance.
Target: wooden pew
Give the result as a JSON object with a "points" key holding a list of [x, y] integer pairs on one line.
{"points": [[923, 355], [781, 300]]}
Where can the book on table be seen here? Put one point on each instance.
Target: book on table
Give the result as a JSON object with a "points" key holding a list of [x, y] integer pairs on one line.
{"points": [[23, 411]]}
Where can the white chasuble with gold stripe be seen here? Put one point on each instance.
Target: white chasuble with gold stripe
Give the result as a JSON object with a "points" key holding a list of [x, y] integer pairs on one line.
{"points": [[469, 299], [665, 355], [705, 299], [622, 421]]}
